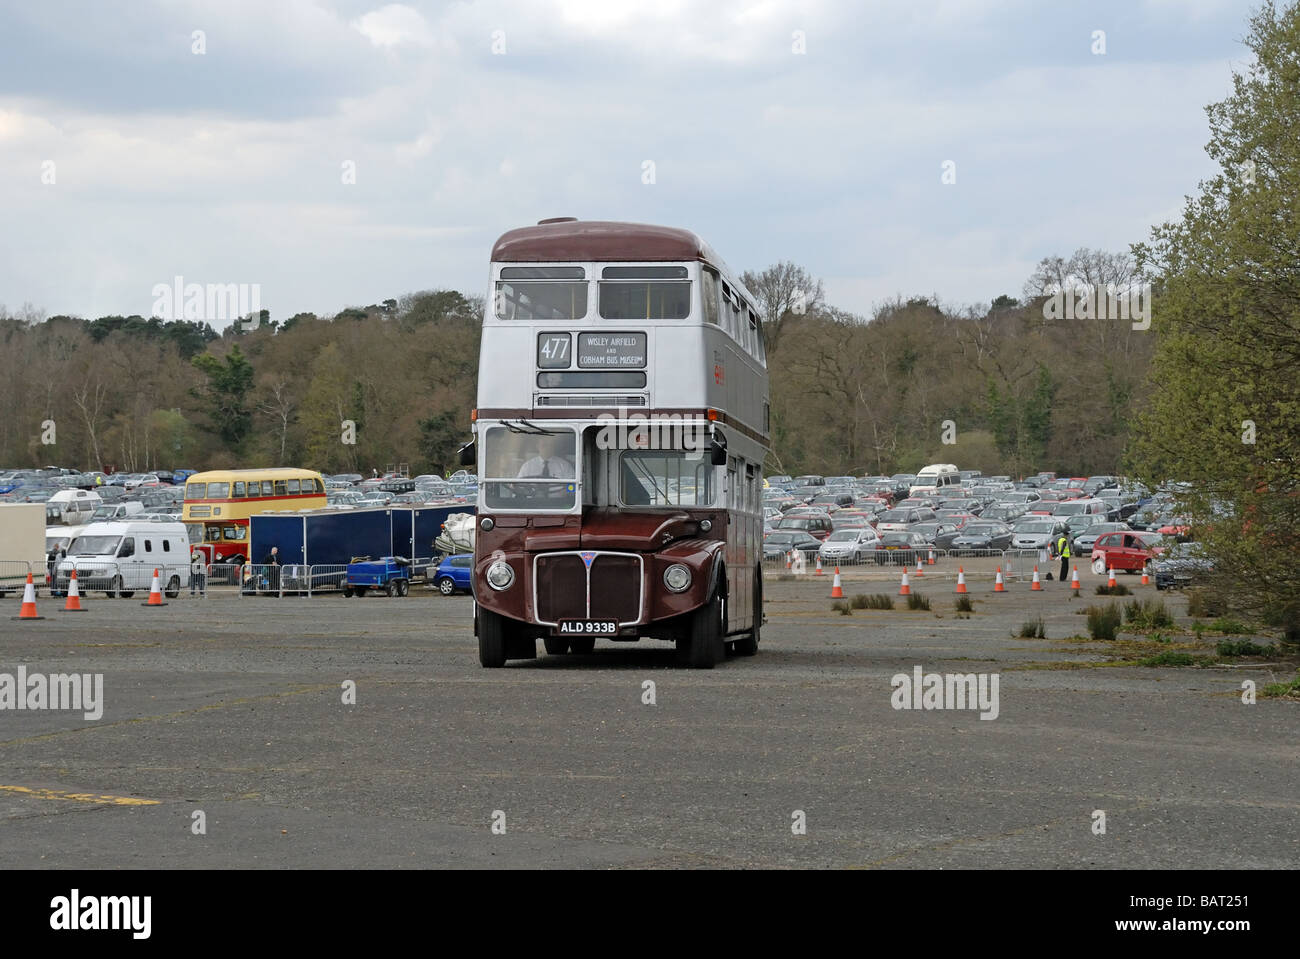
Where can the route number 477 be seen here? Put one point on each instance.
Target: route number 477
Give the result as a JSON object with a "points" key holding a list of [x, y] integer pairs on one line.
{"points": [[554, 348]]}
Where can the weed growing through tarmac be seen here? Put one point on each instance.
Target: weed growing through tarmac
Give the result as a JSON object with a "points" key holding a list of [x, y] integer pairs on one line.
{"points": [[1147, 614], [1103, 621], [1243, 647], [964, 605], [841, 607], [1033, 629], [917, 601], [1289, 690], [876, 601], [1119, 589], [1229, 627], [1171, 658]]}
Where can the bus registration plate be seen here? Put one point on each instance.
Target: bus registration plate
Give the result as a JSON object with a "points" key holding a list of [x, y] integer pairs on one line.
{"points": [[586, 627]]}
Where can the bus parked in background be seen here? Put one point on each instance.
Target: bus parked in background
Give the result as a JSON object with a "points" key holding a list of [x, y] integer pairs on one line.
{"points": [[218, 505], [620, 433]]}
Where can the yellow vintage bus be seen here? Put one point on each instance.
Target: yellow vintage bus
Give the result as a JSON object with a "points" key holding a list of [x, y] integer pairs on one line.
{"points": [[218, 505]]}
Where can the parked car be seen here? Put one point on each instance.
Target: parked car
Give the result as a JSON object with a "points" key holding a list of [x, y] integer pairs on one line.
{"points": [[1086, 539], [983, 536], [777, 544], [1036, 533], [849, 545], [455, 573], [1181, 565], [1124, 552], [815, 524], [937, 533], [901, 548], [899, 520]]}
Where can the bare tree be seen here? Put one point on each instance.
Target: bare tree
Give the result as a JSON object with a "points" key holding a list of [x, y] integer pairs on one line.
{"points": [[783, 290], [280, 408]]}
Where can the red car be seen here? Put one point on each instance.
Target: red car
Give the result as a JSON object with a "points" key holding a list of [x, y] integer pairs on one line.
{"points": [[1122, 552]]}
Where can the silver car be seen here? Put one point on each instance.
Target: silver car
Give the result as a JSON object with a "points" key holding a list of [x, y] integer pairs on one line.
{"points": [[1036, 533], [845, 545]]}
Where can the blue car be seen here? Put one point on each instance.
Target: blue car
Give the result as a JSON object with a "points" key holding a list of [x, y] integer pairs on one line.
{"points": [[454, 574]]}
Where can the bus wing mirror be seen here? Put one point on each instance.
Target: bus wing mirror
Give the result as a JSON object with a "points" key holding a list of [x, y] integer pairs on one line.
{"points": [[467, 454], [718, 451]]}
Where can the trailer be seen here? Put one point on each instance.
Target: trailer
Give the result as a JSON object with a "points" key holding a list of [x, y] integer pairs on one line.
{"points": [[22, 546], [327, 540], [392, 574]]}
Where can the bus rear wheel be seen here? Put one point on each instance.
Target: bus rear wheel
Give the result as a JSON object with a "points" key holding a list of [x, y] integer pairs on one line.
{"points": [[705, 646], [748, 645]]}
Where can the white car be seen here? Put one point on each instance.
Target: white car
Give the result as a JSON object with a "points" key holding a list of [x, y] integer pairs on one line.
{"points": [[844, 545]]}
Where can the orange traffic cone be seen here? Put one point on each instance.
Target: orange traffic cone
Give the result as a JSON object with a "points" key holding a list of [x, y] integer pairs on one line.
{"points": [[28, 610], [1111, 582], [819, 565], [155, 593], [931, 557], [1074, 581], [919, 570], [961, 580], [73, 605], [998, 586], [1037, 583], [903, 588], [837, 591], [789, 558], [1146, 580]]}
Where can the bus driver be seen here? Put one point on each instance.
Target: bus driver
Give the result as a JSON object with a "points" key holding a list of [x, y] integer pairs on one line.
{"points": [[543, 458]]}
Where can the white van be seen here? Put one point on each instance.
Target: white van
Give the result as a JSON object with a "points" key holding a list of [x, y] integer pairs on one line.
{"points": [[937, 478], [120, 557], [71, 507], [110, 511], [60, 537]]}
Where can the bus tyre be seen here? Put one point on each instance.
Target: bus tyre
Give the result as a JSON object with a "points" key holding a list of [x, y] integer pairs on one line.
{"points": [[491, 639], [555, 645], [446, 586], [748, 645], [582, 645], [705, 646], [173, 587]]}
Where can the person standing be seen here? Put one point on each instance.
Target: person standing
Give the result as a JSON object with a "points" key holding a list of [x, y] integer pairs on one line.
{"points": [[1063, 551], [272, 563], [198, 573]]}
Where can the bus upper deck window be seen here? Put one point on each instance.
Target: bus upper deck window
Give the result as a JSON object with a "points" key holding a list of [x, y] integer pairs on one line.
{"points": [[281, 488], [218, 490], [293, 487], [541, 293], [645, 293], [266, 488], [196, 491], [238, 490]]}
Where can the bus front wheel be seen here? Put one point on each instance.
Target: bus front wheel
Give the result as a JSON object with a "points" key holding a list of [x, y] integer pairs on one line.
{"points": [[582, 645], [491, 639], [705, 645]]}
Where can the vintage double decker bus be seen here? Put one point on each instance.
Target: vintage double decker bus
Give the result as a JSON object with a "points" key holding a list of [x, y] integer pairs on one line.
{"points": [[218, 505], [620, 433]]}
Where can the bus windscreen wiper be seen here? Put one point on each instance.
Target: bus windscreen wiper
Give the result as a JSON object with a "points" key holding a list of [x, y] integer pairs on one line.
{"points": [[530, 428]]}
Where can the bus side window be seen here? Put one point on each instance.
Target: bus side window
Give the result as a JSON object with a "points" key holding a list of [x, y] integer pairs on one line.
{"points": [[281, 488], [266, 488], [239, 490], [709, 295], [293, 487]]}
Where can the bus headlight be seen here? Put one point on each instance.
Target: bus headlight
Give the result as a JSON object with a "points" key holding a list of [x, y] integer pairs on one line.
{"points": [[677, 578], [706, 525], [500, 575]]}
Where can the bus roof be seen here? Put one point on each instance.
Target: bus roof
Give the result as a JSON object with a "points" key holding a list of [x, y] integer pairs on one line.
{"points": [[598, 240], [227, 476]]}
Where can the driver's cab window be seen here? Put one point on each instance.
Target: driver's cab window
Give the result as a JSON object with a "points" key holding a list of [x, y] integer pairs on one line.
{"points": [[128, 548]]}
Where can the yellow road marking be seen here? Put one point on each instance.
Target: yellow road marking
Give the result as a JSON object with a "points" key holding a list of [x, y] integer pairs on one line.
{"points": [[80, 797]]}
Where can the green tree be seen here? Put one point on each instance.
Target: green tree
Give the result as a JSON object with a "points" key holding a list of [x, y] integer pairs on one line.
{"points": [[226, 394], [1226, 416]]}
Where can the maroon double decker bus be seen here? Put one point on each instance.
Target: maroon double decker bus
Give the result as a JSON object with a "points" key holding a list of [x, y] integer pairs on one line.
{"points": [[620, 433]]}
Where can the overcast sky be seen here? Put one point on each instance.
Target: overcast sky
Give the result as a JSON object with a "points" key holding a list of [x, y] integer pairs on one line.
{"points": [[463, 120]]}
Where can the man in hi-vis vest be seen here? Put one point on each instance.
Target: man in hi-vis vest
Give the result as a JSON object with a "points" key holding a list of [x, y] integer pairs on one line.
{"points": [[1063, 551]]}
